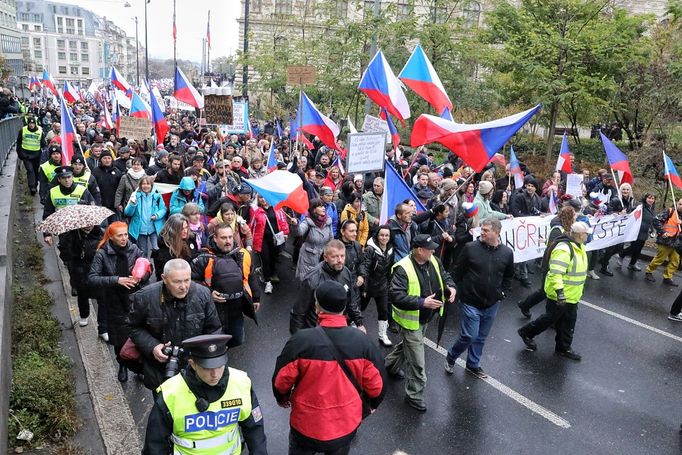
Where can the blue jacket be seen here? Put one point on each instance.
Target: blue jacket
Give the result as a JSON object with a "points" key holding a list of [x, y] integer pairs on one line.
{"points": [[158, 208], [333, 213]]}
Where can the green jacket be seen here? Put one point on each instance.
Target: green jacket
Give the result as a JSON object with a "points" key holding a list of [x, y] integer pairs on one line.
{"points": [[372, 206], [484, 209], [566, 273]]}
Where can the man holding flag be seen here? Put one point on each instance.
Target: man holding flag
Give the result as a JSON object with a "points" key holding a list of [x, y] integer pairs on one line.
{"points": [[667, 226]]}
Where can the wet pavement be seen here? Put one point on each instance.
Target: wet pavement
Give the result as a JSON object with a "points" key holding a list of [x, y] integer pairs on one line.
{"points": [[622, 398]]}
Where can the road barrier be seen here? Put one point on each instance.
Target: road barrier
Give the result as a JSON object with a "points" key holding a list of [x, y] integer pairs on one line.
{"points": [[9, 130]]}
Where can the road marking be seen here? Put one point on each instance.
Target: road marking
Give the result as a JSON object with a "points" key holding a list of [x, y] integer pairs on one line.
{"points": [[632, 321], [514, 395]]}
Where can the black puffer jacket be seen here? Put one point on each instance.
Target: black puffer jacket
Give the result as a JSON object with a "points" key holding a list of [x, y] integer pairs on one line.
{"points": [[77, 249], [375, 268], [303, 313], [156, 317], [648, 217], [524, 204], [107, 179], [353, 256]]}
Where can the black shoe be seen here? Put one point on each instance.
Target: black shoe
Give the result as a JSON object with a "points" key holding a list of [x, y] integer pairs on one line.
{"points": [[122, 373], [606, 271], [74, 292], [393, 327], [418, 405], [528, 341], [524, 311], [33, 191], [570, 354], [526, 283], [670, 282], [398, 374], [478, 372], [649, 277]]}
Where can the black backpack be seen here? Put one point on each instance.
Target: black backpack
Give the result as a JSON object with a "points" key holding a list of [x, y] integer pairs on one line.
{"points": [[563, 238]]}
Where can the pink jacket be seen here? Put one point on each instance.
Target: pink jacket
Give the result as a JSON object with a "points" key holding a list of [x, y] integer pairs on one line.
{"points": [[259, 224]]}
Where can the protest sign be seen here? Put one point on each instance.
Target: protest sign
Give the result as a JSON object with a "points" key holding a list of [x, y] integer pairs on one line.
{"points": [[301, 75], [574, 185], [366, 153], [240, 115], [375, 125], [218, 109], [527, 236], [135, 128]]}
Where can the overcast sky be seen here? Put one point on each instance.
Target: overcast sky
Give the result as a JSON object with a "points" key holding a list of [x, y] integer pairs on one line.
{"points": [[191, 18]]}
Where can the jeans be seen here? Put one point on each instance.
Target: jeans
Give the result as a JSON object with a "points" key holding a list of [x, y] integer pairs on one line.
{"points": [[475, 324], [147, 243], [562, 317], [409, 355]]}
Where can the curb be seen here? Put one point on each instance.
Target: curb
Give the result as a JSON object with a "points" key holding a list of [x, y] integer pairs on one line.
{"points": [[114, 418]]}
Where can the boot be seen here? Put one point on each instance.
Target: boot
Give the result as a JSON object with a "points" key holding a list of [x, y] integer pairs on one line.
{"points": [[122, 373], [383, 338]]}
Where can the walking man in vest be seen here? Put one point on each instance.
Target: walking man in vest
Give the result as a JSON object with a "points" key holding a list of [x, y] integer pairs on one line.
{"points": [[66, 192], [226, 271], [483, 272], [419, 286], [83, 176], [564, 288], [202, 409], [30, 143], [667, 226], [47, 171]]}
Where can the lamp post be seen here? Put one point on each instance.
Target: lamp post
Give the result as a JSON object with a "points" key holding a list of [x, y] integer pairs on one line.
{"points": [[137, 53], [146, 44]]}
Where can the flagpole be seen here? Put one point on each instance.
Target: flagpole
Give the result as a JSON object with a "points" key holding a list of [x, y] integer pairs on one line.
{"points": [[208, 43], [175, 39], [299, 114], [670, 183], [617, 185]]}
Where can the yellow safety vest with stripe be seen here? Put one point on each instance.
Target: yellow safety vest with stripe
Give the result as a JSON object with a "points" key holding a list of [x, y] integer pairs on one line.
{"points": [[565, 273], [214, 431], [49, 170], [30, 140], [61, 200], [409, 319], [83, 179]]}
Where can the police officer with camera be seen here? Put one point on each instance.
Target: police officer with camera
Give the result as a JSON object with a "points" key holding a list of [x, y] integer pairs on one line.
{"points": [[201, 409], [165, 313]]}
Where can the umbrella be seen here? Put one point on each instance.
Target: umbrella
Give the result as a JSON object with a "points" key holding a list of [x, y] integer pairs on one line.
{"points": [[73, 217]]}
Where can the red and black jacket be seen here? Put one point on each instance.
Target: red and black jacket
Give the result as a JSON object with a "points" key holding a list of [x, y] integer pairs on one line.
{"points": [[326, 409]]}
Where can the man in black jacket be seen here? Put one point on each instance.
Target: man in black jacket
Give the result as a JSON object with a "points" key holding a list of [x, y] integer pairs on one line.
{"points": [[107, 177], [167, 312], [331, 269], [526, 203], [483, 272]]}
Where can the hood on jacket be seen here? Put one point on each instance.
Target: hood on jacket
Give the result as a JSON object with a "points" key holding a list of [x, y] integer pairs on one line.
{"points": [[377, 248], [187, 184]]}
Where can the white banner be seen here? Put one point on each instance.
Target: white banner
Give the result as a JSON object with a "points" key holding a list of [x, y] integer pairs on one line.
{"points": [[527, 236], [240, 119]]}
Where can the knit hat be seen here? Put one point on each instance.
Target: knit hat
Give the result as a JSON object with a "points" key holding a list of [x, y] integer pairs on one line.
{"points": [[485, 187], [161, 154], [325, 190], [530, 180], [331, 296], [470, 209], [106, 153], [449, 184]]}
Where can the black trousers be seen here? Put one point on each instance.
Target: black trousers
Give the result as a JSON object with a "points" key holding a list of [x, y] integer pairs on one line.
{"points": [[562, 317], [232, 320], [268, 258], [533, 299], [676, 307], [382, 305], [32, 166], [297, 447], [609, 253], [634, 250]]}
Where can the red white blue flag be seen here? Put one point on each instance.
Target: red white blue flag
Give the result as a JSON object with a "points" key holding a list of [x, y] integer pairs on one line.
{"points": [[563, 163], [118, 81], [617, 160], [312, 121], [67, 134], [159, 121], [671, 171], [384, 88], [70, 93], [138, 108], [48, 82], [185, 91], [281, 189], [419, 75]]}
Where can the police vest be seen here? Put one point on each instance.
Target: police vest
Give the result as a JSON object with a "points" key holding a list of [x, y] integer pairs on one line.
{"points": [[61, 200], [83, 179], [214, 431], [409, 319], [567, 271], [30, 140], [49, 170]]}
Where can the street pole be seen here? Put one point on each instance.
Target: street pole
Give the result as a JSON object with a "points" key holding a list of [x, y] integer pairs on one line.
{"points": [[137, 53], [208, 44], [245, 71], [146, 43], [373, 48], [175, 61]]}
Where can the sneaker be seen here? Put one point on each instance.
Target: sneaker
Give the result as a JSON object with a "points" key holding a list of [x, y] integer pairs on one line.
{"points": [[449, 367], [634, 268], [83, 322], [570, 354], [528, 341], [670, 282], [592, 274], [675, 317], [606, 271], [619, 261], [104, 336], [268, 288], [478, 372], [649, 277], [524, 311]]}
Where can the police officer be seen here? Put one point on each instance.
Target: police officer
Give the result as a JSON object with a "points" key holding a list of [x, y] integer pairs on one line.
{"points": [[47, 170], [66, 192], [83, 176], [198, 410], [30, 142]]}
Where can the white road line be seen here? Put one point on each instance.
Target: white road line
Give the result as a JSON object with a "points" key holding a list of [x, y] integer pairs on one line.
{"points": [[514, 395], [631, 321]]}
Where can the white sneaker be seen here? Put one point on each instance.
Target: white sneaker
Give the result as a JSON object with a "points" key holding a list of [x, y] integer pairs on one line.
{"points": [[619, 261], [268, 288], [83, 322], [104, 336], [675, 317], [592, 274]]}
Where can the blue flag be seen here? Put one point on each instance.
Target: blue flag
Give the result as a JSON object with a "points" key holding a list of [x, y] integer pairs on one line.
{"points": [[395, 192], [280, 131], [292, 128]]}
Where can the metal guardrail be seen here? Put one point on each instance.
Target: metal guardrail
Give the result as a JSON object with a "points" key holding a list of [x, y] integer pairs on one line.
{"points": [[9, 130]]}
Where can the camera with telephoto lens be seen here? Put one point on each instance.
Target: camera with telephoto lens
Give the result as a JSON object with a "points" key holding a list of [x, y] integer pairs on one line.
{"points": [[173, 366]]}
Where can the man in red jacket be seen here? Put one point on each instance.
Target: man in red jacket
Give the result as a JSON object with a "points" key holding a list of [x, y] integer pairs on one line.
{"points": [[326, 406]]}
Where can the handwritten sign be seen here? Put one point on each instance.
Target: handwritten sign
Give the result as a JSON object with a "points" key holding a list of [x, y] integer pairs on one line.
{"points": [[240, 115], [374, 125], [366, 152], [218, 109], [574, 185], [301, 75], [135, 128]]}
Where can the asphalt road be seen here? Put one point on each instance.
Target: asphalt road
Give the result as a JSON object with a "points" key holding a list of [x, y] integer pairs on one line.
{"points": [[622, 398]]}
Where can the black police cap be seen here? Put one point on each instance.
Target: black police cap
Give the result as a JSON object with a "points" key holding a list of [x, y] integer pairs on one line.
{"points": [[209, 351]]}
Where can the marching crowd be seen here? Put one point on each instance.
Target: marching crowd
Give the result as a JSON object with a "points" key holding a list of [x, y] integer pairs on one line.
{"points": [[215, 245]]}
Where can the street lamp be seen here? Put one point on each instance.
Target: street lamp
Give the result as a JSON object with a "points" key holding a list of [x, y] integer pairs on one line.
{"points": [[137, 53], [146, 43]]}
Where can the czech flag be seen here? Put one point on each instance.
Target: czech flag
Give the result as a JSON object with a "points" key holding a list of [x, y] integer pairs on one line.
{"points": [[617, 160], [419, 75], [293, 127], [138, 108], [475, 144], [185, 92], [159, 122], [49, 83], [395, 137], [563, 163], [116, 115], [381, 86], [515, 169], [671, 172], [34, 84], [447, 115], [309, 145], [70, 93], [314, 122], [106, 121], [118, 81], [281, 189], [67, 134], [271, 165], [395, 192]]}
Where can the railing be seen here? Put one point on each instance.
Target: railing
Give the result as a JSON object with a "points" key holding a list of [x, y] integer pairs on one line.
{"points": [[9, 130]]}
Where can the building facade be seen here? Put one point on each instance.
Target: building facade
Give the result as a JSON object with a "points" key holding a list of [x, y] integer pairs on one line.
{"points": [[10, 38]]}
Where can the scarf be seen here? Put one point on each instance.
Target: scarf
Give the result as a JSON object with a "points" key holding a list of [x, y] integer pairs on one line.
{"points": [[320, 222], [136, 175], [198, 229], [122, 268]]}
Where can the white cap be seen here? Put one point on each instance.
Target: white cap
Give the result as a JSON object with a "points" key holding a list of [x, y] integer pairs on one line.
{"points": [[580, 227]]}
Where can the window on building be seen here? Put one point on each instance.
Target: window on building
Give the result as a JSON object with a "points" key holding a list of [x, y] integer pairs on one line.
{"points": [[24, 27], [85, 71], [73, 44], [73, 56], [61, 55], [79, 23], [284, 7], [38, 53], [73, 70], [24, 41], [24, 17], [62, 70], [341, 10], [36, 42], [38, 28], [70, 26], [85, 58], [37, 18], [404, 9], [61, 44], [472, 14], [84, 46], [60, 25]]}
